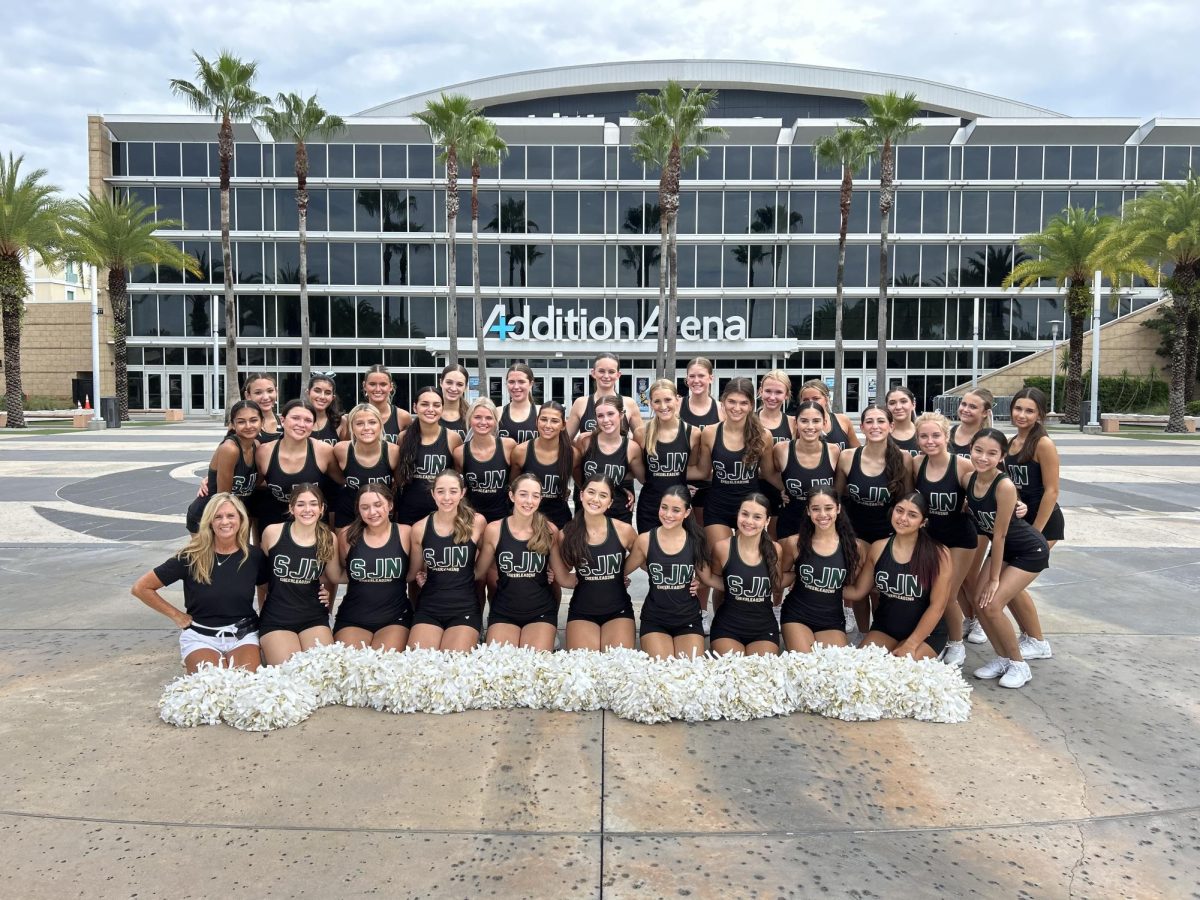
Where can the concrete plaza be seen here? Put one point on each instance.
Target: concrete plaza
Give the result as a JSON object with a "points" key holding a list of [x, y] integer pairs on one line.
{"points": [[1082, 784]]}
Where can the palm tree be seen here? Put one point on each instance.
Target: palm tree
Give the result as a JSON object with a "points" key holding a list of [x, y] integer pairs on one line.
{"points": [[672, 135], [889, 120], [296, 120], [30, 216], [117, 235], [224, 88], [484, 147], [449, 121], [1163, 226], [1068, 251], [849, 148]]}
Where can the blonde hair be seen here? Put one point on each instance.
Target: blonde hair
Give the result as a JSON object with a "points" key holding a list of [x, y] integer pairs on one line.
{"points": [[989, 400], [326, 547], [485, 403], [542, 539], [702, 362], [783, 378], [363, 409], [663, 384], [200, 554], [464, 519], [935, 418], [816, 384]]}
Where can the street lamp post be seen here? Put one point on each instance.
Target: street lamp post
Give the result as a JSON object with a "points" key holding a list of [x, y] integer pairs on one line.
{"points": [[1053, 360], [97, 419], [1095, 422]]}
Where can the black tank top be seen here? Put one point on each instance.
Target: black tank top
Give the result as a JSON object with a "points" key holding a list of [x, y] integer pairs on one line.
{"points": [[836, 433], [902, 599], [908, 445], [326, 434], [487, 482], [523, 585], [601, 589], [1027, 476], [587, 422], [280, 483], [963, 450], [432, 460], [1021, 539], [245, 474], [357, 474], [782, 431], [667, 466], [819, 583], [450, 574], [671, 574], [378, 590], [731, 472], [459, 425], [525, 430], [616, 466], [266, 437], [746, 584], [292, 595], [391, 424], [712, 417], [947, 517], [798, 481], [554, 492], [868, 501]]}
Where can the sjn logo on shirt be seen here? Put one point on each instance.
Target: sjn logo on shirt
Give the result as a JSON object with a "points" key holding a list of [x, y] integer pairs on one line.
{"points": [[898, 585], [389, 568], [795, 486], [738, 473], [674, 576], [305, 570], [521, 564], [670, 463], [756, 588], [874, 495], [606, 565], [489, 481], [447, 559], [430, 466], [942, 503], [830, 579]]}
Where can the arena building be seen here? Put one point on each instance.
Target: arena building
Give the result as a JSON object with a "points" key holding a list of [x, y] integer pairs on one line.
{"points": [[569, 238]]}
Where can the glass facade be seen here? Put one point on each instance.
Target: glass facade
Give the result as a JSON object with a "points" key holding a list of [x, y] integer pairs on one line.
{"points": [[569, 233]]}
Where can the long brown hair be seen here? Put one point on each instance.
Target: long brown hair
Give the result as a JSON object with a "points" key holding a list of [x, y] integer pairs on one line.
{"points": [[841, 524], [566, 452], [326, 543], [766, 546], [575, 547], [754, 435], [462, 401], [410, 443], [926, 562], [542, 538], [200, 552], [464, 518], [895, 465], [701, 554], [333, 413], [358, 527], [1029, 449]]}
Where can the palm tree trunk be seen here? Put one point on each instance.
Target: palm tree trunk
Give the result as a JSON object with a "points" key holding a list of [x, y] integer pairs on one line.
{"points": [[670, 359], [477, 303], [886, 199], [1077, 309], [13, 288], [1193, 351], [660, 353], [452, 253], [1185, 301], [302, 223], [839, 337], [225, 152], [118, 298]]}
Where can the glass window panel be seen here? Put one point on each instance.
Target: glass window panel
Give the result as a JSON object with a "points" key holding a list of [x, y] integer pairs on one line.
{"points": [[1083, 163], [762, 265], [1082, 199], [249, 209], [538, 163], [370, 316], [800, 265], [803, 165], [214, 161], [512, 212], [856, 264], [686, 266], [566, 162], [250, 316], [1150, 163], [975, 163], [765, 217], [1004, 164], [591, 266], [908, 162], [513, 165], [287, 216], [393, 209], [1053, 204], [906, 216], [287, 262], [367, 258], [170, 315], [341, 209], [1000, 212], [708, 265], [318, 209], [420, 264], [395, 264], [904, 313], [268, 162], [249, 262], [566, 212], [420, 210], [737, 162], [166, 160], [170, 205], [762, 160], [318, 263], [864, 212], [631, 213], [341, 263], [537, 212], [996, 319], [1029, 163], [143, 316], [1029, 212], [341, 160], [537, 261], [933, 319], [366, 160], [973, 266], [1049, 311], [712, 164], [823, 321], [974, 212], [1023, 316], [591, 163], [1176, 163], [1057, 163], [685, 219], [197, 322], [395, 317], [801, 203], [934, 211], [394, 161], [1108, 203], [1111, 164], [198, 250], [341, 317], [937, 162], [631, 169], [247, 161], [906, 265], [829, 212], [566, 265], [591, 212], [369, 210], [489, 265], [317, 155], [825, 265], [854, 319], [999, 263], [195, 160], [737, 212], [421, 316], [709, 211]]}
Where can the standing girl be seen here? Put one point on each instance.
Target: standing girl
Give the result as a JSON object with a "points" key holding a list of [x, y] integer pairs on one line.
{"points": [[379, 390], [260, 389], [444, 547], [292, 460], [518, 419], [608, 450], [425, 448], [774, 392], [364, 459], [838, 428], [518, 552], [746, 567], [484, 461], [700, 410], [974, 412], [606, 374], [824, 558], [232, 469], [805, 463], [322, 397], [551, 458], [302, 556], [455, 414], [595, 546], [871, 477], [668, 444], [902, 404], [374, 554], [1019, 552], [674, 555]]}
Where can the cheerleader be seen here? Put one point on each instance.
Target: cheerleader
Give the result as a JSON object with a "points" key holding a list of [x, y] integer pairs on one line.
{"points": [[425, 452], [374, 553], [302, 557], [902, 404], [261, 390], [379, 390], [674, 555], [322, 397], [518, 554], [1019, 553], [700, 410], [804, 463], [484, 460], [455, 413], [232, 469], [610, 450], [824, 557], [606, 374], [938, 476], [668, 445], [518, 418], [364, 459], [444, 548], [774, 392], [295, 458], [911, 572], [595, 546], [838, 428], [551, 457], [974, 412], [746, 567]]}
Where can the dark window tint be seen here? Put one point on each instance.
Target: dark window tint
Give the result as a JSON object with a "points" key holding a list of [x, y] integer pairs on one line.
{"points": [[908, 162], [803, 165], [513, 165], [420, 210], [708, 265], [1053, 204], [737, 212], [906, 266], [285, 160], [631, 168], [1029, 163], [906, 217], [341, 263], [1000, 211], [1057, 163], [287, 262], [341, 160], [937, 162], [566, 265], [1175, 162], [591, 266], [247, 161], [368, 216], [591, 163], [974, 212], [1083, 163], [566, 212], [801, 203], [1112, 163], [395, 264], [341, 210], [737, 162], [591, 212], [141, 158], [421, 263], [709, 212], [566, 162], [318, 263], [934, 210], [170, 205], [1108, 203], [685, 219], [317, 157], [1029, 212], [366, 160], [249, 209], [712, 165], [829, 212], [394, 161], [287, 216], [1150, 163], [367, 263], [800, 265], [166, 160], [975, 163], [538, 163], [249, 262], [1004, 164], [537, 211], [762, 163]]}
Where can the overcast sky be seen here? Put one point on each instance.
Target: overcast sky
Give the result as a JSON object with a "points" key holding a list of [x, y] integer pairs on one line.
{"points": [[67, 59]]}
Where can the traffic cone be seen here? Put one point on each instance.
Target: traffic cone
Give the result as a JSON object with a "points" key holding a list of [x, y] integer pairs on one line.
{"points": [[87, 402]]}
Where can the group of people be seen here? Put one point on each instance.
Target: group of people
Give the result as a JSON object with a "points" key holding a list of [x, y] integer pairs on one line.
{"points": [[759, 524]]}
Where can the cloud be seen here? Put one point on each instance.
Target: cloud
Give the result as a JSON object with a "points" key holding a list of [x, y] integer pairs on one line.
{"points": [[71, 58]]}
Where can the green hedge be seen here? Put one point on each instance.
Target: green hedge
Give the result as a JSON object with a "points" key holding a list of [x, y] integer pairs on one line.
{"points": [[1124, 393]]}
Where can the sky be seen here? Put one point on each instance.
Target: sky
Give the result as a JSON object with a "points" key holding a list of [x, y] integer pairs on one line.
{"points": [[67, 59]]}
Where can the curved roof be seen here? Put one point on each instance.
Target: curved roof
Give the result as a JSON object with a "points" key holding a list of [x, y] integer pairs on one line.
{"points": [[783, 77]]}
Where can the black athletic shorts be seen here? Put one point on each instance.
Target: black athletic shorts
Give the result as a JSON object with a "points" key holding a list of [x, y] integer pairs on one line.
{"points": [[745, 637], [549, 617], [651, 625], [625, 612], [794, 613], [1056, 525], [404, 621], [936, 640], [266, 626], [471, 620]]}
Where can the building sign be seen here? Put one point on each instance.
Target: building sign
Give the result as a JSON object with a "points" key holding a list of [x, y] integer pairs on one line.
{"points": [[575, 325]]}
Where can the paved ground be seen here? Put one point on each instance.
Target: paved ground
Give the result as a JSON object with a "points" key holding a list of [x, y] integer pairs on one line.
{"points": [[1082, 784]]}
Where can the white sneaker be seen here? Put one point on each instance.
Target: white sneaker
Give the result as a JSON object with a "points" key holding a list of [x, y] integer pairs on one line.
{"points": [[974, 632], [851, 622], [706, 619], [994, 669], [1032, 648], [1018, 675], [955, 653]]}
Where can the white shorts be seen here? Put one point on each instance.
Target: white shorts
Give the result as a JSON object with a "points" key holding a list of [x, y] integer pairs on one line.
{"points": [[190, 641]]}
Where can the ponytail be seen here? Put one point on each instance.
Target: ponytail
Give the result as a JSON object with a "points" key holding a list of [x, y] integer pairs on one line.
{"points": [[701, 555], [410, 443], [754, 435], [895, 466], [766, 546], [926, 563], [575, 547], [541, 540]]}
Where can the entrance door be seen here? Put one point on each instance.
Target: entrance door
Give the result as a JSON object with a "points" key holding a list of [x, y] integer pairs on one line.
{"points": [[552, 387], [154, 392], [198, 393], [853, 395]]}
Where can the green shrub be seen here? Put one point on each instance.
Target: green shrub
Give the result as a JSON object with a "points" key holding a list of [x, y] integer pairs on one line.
{"points": [[1193, 408], [1124, 393]]}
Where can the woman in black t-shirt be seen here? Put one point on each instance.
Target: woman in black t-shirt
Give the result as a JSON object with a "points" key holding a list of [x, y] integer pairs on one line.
{"points": [[220, 572]]}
